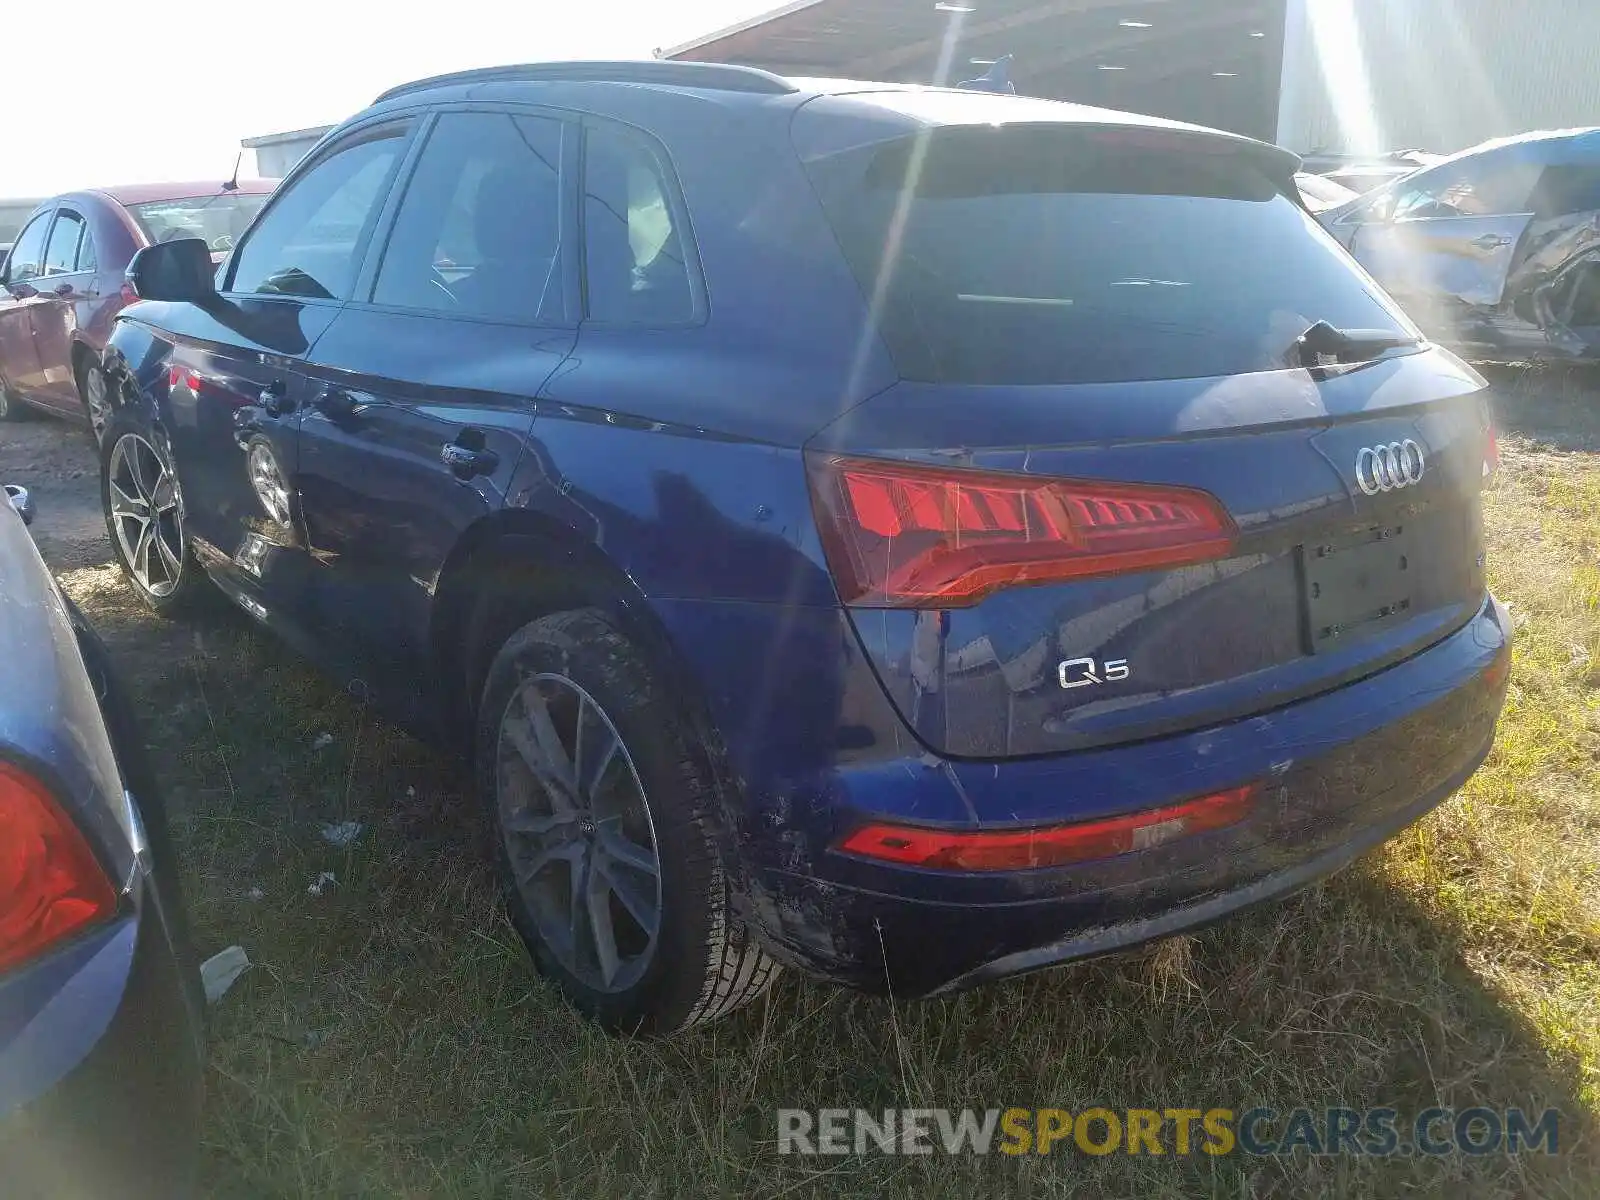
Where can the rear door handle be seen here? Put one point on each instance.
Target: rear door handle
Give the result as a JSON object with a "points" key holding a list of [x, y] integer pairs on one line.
{"points": [[1491, 241], [466, 459]]}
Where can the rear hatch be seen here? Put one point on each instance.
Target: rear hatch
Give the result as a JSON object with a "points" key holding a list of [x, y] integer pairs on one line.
{"points": [[1120, 491]]}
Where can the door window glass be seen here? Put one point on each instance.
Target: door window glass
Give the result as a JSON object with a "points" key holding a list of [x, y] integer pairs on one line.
{"points": [[1469, 189], [61, 256], [309, 241], [27, 256], [634, 265], [479, 230]]}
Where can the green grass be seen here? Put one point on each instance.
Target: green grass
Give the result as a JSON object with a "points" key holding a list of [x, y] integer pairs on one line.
{"points": [[391, 1039]]}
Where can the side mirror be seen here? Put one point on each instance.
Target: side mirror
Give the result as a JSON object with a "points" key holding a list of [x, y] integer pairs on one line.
{"points": [[21, 501], [179, 270]]}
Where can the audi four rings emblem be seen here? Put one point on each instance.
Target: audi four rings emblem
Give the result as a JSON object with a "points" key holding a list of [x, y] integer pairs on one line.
{"points": [[1385, 468]]}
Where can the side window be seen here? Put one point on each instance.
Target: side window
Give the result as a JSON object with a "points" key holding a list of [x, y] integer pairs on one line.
{"points": [[1471, 189], [479, 230], [27, 255], [61, 255], [1565, 190], [634, 268], [308, 241]]}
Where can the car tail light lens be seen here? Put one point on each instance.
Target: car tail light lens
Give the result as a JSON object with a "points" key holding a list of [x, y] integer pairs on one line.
{"points": [[129, 296], [183, 377], [923, 537], [1050, 846], [51, 885]]}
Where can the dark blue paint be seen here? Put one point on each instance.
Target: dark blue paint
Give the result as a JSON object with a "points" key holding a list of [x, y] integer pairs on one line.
{"points": [[662, 473]]}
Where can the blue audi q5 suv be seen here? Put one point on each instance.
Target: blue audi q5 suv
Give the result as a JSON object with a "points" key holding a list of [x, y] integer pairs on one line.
{"points": [[913, 535]]}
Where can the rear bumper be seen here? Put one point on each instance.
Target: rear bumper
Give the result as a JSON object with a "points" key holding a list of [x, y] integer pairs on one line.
{"points": [[124, 1120], [1338, 774]]}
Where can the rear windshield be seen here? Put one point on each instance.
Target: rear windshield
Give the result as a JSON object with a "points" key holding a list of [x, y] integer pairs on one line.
{"points": [[1041, 255], [217, 220]]}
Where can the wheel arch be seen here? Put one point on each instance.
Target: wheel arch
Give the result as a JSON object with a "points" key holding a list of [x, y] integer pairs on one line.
{"points": [[516, 565]]}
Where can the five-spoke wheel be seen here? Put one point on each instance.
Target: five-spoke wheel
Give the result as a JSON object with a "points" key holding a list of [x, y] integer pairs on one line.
{"points": [[143, 503], [606, 815], [578, 832], [145, 514]]}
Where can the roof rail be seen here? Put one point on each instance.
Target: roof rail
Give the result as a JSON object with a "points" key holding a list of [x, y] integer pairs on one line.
{"points": [[718, 76]]}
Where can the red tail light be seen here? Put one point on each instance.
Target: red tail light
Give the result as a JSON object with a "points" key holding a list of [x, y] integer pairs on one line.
{"points": [[51, 886], [183, 377], [919, 537], [1053, 846], [129, 296]]}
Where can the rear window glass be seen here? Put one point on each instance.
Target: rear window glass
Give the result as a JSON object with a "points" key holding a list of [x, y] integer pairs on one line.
{"points": [[1031, 255]]}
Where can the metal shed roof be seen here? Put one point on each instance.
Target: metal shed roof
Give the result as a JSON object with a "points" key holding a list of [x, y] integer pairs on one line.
{"points": [[1216, 61]]}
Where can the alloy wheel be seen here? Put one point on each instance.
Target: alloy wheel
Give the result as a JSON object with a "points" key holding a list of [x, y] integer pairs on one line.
{"points": [[146, 514], [266, 477], [94, 397], [578, 832]]}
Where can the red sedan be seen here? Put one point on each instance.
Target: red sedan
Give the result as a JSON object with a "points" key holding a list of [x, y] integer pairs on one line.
{"points": [[62, 285]]}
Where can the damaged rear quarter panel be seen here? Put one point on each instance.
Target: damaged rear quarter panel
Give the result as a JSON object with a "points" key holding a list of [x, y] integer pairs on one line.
{"points": [[1553, 285]]}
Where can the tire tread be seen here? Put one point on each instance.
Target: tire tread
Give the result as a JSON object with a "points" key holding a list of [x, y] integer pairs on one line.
{"points": [[737, 971]]}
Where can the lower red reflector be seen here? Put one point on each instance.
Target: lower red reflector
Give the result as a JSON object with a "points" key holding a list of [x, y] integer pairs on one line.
{"points": [[1496, 672], [1049, 846]]}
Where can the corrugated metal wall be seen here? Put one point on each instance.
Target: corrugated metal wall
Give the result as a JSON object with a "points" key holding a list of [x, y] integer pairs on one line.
{"points": [[1437, 74]]}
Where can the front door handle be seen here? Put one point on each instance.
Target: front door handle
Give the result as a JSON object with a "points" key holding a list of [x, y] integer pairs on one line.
{"points": [[467, 456], [1491, 241], [273, 400]]}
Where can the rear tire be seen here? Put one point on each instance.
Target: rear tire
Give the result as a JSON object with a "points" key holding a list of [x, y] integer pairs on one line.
{"points": [[637, 813], [92, 390], [143, 505]]}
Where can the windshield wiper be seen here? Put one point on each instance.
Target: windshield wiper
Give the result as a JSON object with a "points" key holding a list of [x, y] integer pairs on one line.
{"points": [[1324, 345]]}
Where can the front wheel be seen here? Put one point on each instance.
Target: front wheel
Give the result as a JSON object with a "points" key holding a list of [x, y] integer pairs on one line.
{"points": [[603, 815], [143, 504]]}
